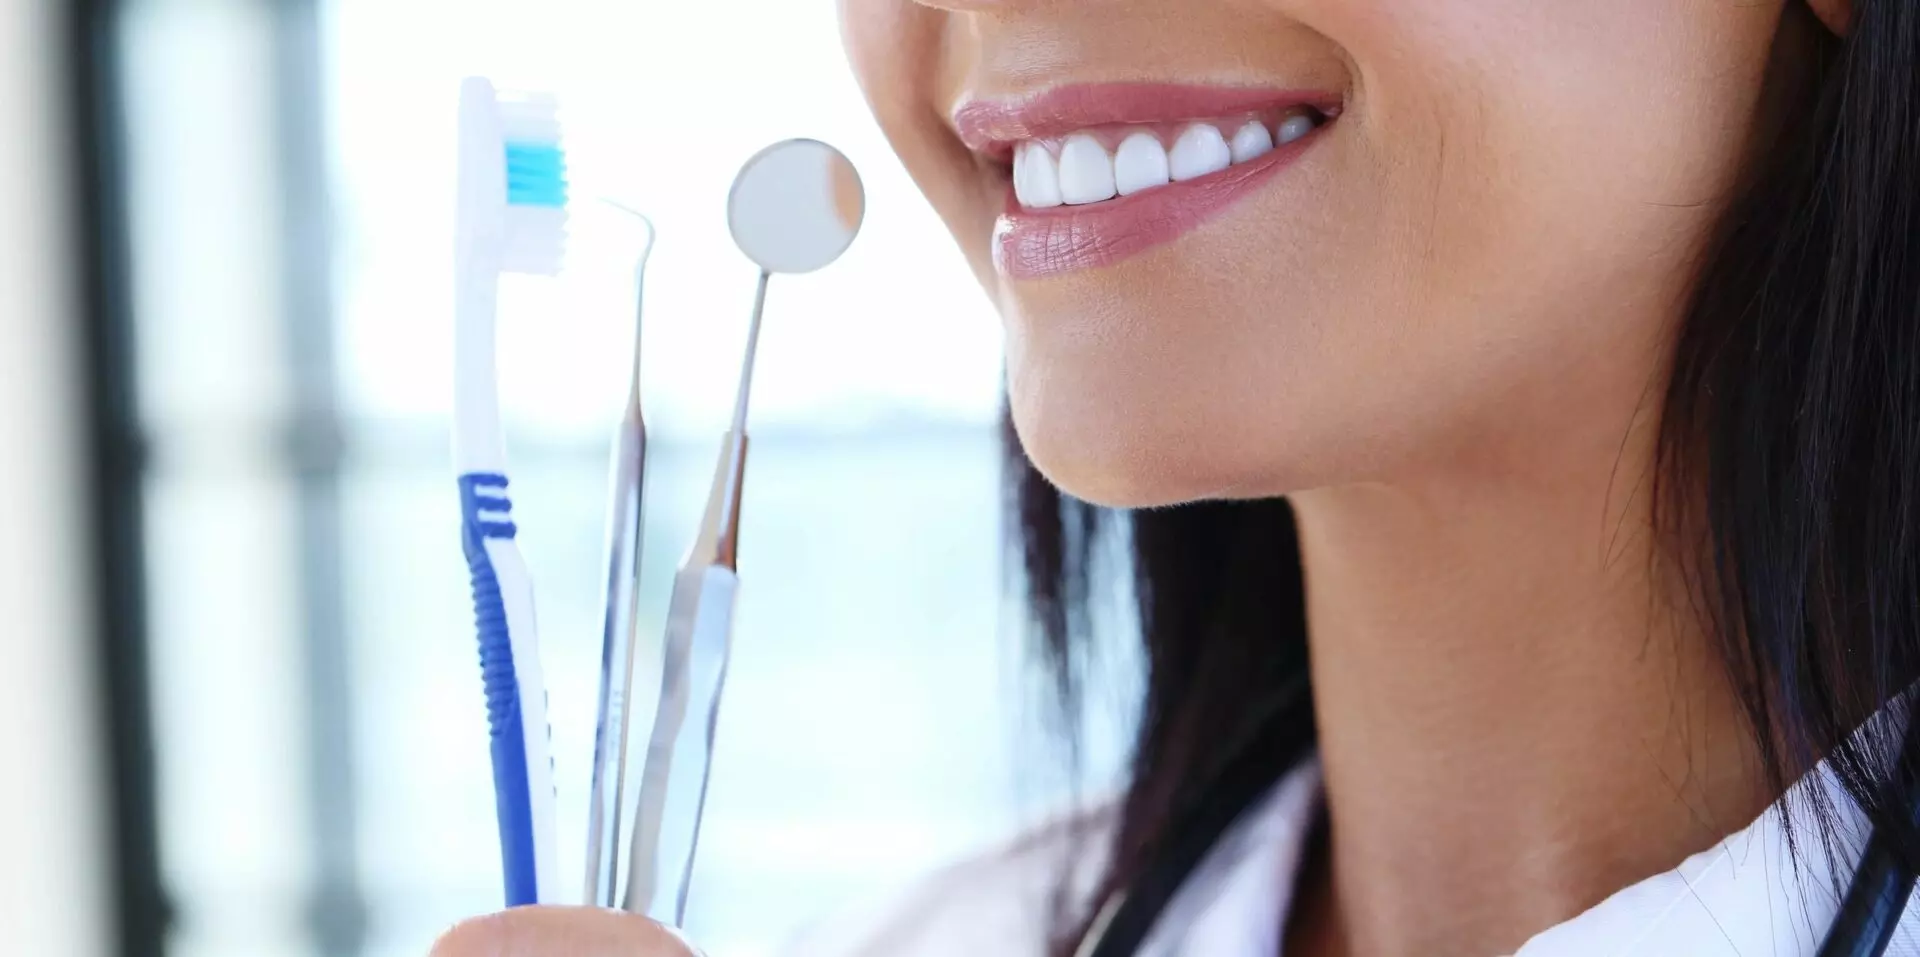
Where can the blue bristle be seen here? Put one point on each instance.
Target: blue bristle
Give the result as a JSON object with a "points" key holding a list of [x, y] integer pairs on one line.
{"points": [[536, 174]]}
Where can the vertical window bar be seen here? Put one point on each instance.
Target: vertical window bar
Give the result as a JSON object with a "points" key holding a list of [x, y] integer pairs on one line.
{"points": [[116, 463]]}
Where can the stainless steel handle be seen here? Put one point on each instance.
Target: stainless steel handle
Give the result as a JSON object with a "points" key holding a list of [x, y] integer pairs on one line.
{"points": [[673, 786]]}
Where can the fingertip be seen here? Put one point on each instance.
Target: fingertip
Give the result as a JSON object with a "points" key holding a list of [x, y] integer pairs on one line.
{"points": [[469, 938], [560, 932]]}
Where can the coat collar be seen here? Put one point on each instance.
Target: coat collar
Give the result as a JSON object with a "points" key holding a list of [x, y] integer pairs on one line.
{"points": [[1744, 897]]}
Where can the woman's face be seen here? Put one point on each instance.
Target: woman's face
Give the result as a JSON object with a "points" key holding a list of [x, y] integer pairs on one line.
{"points": [[1456, 229]]}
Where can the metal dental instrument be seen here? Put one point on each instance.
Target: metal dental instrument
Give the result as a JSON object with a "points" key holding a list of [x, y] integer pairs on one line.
{"points": [[795, 208], [625, 515]]}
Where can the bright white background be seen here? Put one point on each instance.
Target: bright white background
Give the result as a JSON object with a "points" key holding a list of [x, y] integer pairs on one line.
{"points": [[665, 100]]}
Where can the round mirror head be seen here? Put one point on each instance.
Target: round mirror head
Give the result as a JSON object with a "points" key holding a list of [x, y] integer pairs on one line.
{"points": [[796, 206]]}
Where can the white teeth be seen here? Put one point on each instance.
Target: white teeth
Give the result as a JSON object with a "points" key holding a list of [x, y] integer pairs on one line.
{"points": [[1251, 143], [1086, 171], [1294, 127], [1083, 172], [1140, 163], [1036, 180], [1201, 150]]}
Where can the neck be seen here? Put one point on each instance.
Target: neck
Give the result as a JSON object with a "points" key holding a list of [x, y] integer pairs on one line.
{"points": [[1518, 715]]}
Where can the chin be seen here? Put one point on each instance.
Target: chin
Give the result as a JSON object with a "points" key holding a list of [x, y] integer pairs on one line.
{"points": [[1111, 483], [1109, 433], [1100, 454]]}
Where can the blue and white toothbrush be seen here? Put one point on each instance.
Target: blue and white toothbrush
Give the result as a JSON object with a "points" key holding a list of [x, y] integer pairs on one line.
{"points": [[512, 218]]}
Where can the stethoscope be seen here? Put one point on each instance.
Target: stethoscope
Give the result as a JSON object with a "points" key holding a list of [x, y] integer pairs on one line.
{"points": [[1869, 913]]}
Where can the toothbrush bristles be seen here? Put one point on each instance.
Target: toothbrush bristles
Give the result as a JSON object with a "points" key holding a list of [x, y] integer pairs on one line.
{"points": [[537, 184]]}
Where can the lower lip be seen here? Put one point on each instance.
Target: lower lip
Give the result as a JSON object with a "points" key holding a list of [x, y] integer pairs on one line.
{"points": [[1038, 243]]}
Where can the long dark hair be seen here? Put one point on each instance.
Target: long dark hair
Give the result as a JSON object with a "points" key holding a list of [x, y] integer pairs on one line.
{"points": [[1788, 478]]}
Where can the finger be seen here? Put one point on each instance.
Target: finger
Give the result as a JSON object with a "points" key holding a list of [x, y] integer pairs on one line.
{"points": [[561, 932]]}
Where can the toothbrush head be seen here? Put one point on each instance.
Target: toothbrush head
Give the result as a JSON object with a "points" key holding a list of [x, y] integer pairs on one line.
{"points": [[514, 189]]}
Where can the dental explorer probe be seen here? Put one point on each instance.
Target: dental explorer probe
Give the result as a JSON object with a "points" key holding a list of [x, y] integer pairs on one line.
{"points": [[625, 521]]}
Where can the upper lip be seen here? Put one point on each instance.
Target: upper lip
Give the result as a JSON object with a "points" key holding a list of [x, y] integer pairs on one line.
{"points": [[992, 126]]}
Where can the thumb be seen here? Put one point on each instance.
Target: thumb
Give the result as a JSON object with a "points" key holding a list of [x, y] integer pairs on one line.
{"points": [[561, 932]]}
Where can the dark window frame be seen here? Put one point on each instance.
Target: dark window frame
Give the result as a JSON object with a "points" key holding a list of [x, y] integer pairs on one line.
{"points": [[117, 458], [115, 464]]}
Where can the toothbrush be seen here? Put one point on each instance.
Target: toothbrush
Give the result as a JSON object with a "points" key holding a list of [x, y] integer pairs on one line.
{"points": [[625, 522], [512, 218], [699, 640]]}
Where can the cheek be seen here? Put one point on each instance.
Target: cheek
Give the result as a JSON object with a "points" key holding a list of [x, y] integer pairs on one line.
{"points": [[1531, 144], [882, 38], [1539, 179], [908, 64]]}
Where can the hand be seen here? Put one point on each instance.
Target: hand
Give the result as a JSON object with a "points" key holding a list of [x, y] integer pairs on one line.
{"points": [[561, 932]]}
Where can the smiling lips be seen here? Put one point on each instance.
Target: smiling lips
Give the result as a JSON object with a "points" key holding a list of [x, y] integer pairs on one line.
{"points": [[1101, 173]]}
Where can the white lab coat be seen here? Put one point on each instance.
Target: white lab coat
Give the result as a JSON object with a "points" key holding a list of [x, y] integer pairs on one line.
{"points": [[1741, 898]]}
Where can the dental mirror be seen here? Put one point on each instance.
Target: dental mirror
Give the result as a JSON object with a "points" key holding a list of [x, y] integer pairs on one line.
{"points": [[796, 206]]}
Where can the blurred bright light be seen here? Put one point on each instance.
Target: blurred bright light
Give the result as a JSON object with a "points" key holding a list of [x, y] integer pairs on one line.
{"points": [[663, 102]]}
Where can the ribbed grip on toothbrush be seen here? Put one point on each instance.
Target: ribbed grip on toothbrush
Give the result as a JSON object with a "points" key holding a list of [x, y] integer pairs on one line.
{"points": [[487, 513]]}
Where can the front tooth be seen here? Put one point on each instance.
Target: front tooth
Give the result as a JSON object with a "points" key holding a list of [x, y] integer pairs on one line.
{"points": [[1294, 127], [1251, 143], [1199, 151], [1086, 171], [1036, 180], [1140, 163]]}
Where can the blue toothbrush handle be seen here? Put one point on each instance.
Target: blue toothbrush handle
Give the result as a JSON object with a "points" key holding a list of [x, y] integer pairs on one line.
{"points": [[487, 530]]}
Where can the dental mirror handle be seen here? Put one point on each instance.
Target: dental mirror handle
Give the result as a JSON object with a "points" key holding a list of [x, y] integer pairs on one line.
{"points": [[673, 790], [696, 649]]}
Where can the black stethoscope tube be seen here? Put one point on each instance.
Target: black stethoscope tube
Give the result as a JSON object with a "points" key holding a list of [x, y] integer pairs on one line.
{"points": [[1873, 905], [1882, 884]]}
